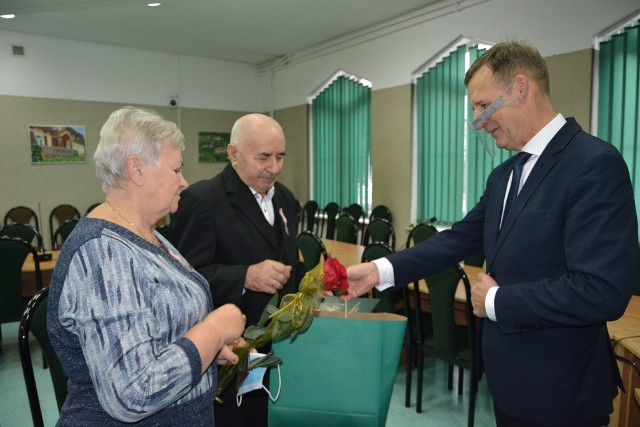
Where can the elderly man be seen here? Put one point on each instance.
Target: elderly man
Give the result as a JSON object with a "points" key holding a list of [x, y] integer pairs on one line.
{"points": [[238, 230]]}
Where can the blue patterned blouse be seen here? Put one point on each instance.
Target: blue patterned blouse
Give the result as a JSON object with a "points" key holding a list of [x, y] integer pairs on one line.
{"points": [[118, 309]]}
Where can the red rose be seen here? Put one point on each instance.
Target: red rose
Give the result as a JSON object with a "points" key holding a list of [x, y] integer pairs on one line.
{"points": [[335, 276]]}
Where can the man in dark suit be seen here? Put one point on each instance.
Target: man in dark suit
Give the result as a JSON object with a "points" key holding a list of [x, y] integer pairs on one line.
{"points": [[238, 230], [560, 263]]}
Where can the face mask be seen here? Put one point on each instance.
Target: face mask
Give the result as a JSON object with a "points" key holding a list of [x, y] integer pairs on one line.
{"points": [[254, 381]]}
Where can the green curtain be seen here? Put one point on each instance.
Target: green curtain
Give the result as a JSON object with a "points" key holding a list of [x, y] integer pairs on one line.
{"points": [[441, 131], [341, 123], [618, 94]]}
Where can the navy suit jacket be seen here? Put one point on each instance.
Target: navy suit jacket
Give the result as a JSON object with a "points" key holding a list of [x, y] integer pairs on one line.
{"points": [[220, 229], [565, 262]]}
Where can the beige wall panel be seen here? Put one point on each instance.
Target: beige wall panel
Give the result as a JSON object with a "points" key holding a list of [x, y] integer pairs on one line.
{"points": [[391, 154], [571, 81], [295, 174]]}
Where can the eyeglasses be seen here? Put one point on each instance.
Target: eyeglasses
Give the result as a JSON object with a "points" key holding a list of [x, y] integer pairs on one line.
{"points": [[495, 106]]}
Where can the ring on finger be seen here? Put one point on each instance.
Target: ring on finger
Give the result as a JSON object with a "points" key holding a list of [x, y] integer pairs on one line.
{"points": [[273, 284]]}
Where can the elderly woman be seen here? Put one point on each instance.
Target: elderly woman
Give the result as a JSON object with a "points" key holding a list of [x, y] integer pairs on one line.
{"points": [[128, 317]]}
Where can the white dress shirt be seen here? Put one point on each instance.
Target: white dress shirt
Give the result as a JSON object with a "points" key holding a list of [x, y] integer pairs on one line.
{"points": [[266, 203]]}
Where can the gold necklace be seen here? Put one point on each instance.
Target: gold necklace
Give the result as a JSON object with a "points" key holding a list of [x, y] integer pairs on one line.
{"points": [[130, 223]]}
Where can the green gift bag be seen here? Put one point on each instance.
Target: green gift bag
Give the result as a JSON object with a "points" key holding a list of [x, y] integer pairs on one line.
{"points": [[340, 372]]}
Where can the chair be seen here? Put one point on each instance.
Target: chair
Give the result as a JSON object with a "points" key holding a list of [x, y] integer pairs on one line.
{"points": [[13, 252], [61, 213], [379, 230], [311, 248], [388, 300], [93, 206], [357, 213], [22, 215], [476, 259], [63, 232], [346, 229], [331, 213], [636, 287], [34, 320], [26, 232], [309, 211], [418, 233], [380, 211], [449, 342]]}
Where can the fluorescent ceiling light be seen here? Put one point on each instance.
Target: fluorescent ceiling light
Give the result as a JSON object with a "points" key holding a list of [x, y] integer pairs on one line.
{"points": [[8, 16], [153, 4]]}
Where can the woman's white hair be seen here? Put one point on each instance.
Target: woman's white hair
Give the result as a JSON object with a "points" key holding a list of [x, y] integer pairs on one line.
{"points": [[132, 131]]}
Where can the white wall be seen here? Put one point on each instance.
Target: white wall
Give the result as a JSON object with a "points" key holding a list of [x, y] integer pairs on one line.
{"points": [[554, 26], [56, 68], [66, 69]]}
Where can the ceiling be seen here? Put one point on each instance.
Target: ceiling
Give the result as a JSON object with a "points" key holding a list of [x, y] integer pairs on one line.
{"points": [[247, 31]]}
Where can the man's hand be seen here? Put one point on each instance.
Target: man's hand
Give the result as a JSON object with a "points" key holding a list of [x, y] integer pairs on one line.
{"points": [[361, 278], [268, 276], [479, 293]]}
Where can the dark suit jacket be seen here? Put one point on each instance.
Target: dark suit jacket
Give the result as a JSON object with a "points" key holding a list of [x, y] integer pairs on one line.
{"points": [[220, 229], [565, 262]]}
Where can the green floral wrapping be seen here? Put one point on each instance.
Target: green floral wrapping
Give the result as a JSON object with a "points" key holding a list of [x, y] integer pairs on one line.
{"points": [[292, 317]]}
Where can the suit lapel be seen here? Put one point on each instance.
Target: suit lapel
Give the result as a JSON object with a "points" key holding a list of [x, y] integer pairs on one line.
{"points": [[241, 196], [543, 166]]}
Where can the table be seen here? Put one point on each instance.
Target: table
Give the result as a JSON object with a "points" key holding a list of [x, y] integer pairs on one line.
{"points": [[29, 277], [625, 333], [347, 253]]}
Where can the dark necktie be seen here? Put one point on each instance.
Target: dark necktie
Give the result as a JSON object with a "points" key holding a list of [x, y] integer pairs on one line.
{"points": [[521, 159]]}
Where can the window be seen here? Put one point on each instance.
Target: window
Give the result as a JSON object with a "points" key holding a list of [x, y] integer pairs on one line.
{"points": [[616, 105], [450, 164], [340, 141]]}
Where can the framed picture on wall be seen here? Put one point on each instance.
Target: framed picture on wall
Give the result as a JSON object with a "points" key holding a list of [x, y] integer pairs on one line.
{"points": [[57, 144], [212, 147]]}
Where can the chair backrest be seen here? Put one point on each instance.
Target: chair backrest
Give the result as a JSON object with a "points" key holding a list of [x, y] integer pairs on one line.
{"points": [[309, 211], [346, 229], [34, 320], [477, 259], [13, 252], [442, 289], [311, 248], [379, 230], [26, 232], [420, 232], [61, 214], [93, 206], [388, 299], [63, 232], [22, 215], [331, 213], [636, 287], [380, 211], [356, 212]]}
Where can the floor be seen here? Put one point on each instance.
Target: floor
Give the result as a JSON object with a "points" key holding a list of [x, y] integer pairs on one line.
{"points": [[440, 408]]}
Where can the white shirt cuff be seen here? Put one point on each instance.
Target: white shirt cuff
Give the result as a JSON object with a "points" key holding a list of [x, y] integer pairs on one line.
{"points": [[385, 271], [489, 303]]}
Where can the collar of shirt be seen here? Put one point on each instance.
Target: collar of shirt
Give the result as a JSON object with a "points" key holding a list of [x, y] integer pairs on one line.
{"points": [[538, 143], [266, 203]]}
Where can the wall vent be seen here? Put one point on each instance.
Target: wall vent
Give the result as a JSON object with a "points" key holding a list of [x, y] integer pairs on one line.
{"points": [[18, 50]]}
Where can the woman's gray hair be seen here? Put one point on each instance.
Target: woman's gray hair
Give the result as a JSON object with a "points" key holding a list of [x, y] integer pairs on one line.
{"points": [[132, 131]]}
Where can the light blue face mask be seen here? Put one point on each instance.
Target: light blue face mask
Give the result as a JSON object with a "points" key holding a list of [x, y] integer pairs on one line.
{"points": [[254, 381], [478, 123]]}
